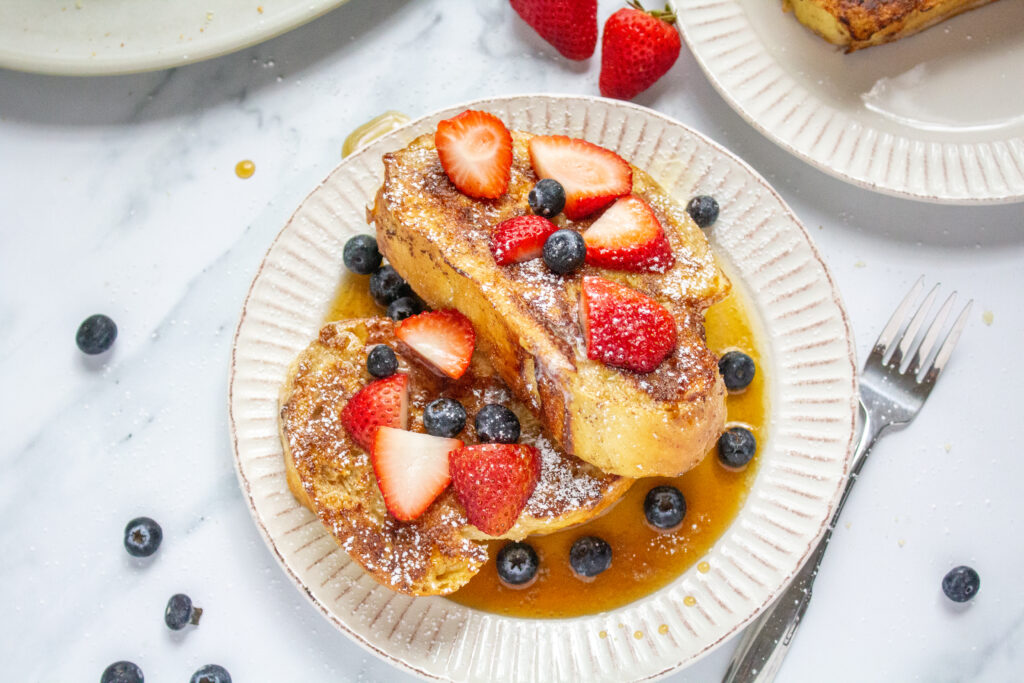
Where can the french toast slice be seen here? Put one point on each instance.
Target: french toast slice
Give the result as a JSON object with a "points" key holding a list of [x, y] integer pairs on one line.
{"points": [[856, 24], [527, 317], [328, 473]]}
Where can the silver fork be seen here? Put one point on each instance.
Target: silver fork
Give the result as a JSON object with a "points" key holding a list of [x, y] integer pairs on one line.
{"points": [[898, 376]]}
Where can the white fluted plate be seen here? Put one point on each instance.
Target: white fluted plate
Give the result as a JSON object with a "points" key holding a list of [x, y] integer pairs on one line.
{"points": [[935, 117], [98, 37], [809, 364]]}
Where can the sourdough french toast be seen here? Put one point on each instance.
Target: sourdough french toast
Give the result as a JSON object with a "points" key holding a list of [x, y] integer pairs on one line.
{"points": [[440, 551], [856, 24], [528, 322]]}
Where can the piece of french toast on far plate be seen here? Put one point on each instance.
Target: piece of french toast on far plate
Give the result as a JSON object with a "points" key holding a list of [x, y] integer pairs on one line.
{"points": [[855, 24], [331, 474], [622, 416]]}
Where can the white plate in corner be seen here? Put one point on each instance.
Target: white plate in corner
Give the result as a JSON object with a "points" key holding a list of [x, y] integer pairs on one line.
{"points": [[935, 117], [809, 356], [99, 37]]}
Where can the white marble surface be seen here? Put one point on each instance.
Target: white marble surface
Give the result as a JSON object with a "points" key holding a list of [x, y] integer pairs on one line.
{"points": [[118, 195]]}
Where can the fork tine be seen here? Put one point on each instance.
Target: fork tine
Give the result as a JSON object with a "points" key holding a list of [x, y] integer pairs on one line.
{"points": [[888, 333], [906, 344], [924, 351], [947, 345]]}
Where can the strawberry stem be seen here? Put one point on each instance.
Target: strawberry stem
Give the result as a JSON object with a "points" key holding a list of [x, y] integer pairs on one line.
{"points": [[666, 15]]}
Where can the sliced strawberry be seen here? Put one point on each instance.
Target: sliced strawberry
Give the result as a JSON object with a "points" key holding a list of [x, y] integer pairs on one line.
{"points": [[476, 152], [628, 236], [592, 176], [384, 403], [569, 25], [623, 327], [445, 339], [493, 481], [520, 239], [411, 469]]}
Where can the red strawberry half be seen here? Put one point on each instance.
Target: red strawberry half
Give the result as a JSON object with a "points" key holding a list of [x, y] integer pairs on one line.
{"points": [[445, 339], [628, 236], [493, 481], [520, 239], [476, 152], [411, 469], [637, 49], [384, 403], [592, 176], [569, 25], [623, 327]]}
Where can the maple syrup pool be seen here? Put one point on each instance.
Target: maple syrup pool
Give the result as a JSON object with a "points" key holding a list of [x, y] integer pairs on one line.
{"points": [[643, 560]]}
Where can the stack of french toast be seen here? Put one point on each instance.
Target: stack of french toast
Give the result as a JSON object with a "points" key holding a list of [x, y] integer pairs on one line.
{"points": [[544, 348]]}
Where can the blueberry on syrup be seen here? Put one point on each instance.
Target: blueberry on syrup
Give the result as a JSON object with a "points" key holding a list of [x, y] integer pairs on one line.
{"points": [[386, 285], [736, 447], [590, 555], [664, 507], [737, 369], [361, 255], [517, 563], [404, 307]]}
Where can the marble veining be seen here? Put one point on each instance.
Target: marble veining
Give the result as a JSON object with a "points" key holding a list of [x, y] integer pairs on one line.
{"points": [[118, 195]]}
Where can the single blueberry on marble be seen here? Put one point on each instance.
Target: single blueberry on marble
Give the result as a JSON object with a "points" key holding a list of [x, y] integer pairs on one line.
{"points": [[142, 537], [211, 673], [961, 583], [180, 612], [96, 334], [122, 672]]}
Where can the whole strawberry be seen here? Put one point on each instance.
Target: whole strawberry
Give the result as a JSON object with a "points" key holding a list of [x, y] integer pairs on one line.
{"points": [[569, 25], [637, 49]]}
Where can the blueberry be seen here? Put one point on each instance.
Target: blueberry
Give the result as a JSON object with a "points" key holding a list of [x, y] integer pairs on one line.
{"points": [[386, 285], [211, 673], [403, 307], [361, 254], [180, 613], [381, 361], [665, 507], [122, 672], [496, 424], [517, 563], [703, 210], [590, 555], [961, 584], [736, 447], [547, 198], [444, 417], [142, 537], [96, 334], [564, 251], [737, 369]]}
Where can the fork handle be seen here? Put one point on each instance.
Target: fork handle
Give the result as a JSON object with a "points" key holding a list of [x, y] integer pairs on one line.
{"points": [[764, 645]]}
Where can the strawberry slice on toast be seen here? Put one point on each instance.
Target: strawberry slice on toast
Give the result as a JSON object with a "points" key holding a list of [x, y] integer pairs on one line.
{"points": [[493, 481], [628, 236], [520, 239], [476, 153], [444, 339], [411, 469], [593, 177], [623, 327], [384, 403]]}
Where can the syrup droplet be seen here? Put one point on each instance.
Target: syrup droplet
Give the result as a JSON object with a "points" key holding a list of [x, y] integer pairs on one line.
{"points": [[689, 601], [638, 634], [703, 567], [373, 129], [245, 168], [663, 629], [602, 634]]}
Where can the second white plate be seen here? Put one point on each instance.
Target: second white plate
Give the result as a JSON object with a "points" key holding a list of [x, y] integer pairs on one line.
{"points": [[934, 117]]}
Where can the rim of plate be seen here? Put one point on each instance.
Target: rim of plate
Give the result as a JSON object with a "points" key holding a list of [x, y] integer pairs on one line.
{"points": [[241, 32], [803, 463], [750, 80]]}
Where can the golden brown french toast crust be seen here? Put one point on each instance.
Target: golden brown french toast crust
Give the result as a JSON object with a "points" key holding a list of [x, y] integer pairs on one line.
{"points": [[439, 240], [436, 553]]}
